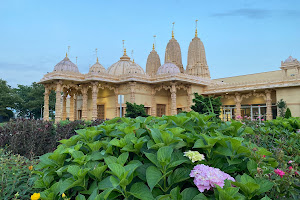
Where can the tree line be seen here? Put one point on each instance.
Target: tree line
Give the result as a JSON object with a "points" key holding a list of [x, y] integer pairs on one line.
{"points": [[25, 101]]}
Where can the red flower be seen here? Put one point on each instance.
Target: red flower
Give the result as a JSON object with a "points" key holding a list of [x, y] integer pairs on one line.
{"points": [[264, 156], [279, 172], [290, 167]]}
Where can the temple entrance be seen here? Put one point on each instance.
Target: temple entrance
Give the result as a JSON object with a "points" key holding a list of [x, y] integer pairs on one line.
{"points": [[100, 112], [160, 110]]}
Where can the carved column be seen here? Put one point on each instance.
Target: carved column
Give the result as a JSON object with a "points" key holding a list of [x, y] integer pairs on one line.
{"points": [[238, 101], [153, 106], [75, 106], [58, 102], [269, 104], [72, 107], [94, 100], [46, 104], [64, 106], [189, 98], [132, 90], [173, 99], [84, 92], [116, 98]]}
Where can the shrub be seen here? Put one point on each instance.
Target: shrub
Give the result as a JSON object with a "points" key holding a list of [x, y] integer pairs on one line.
{"points": [[288, 113], [281, 107], [143, 158], [28, 138], [135, 110], [32, 138], [16, 179], [207, 105]]}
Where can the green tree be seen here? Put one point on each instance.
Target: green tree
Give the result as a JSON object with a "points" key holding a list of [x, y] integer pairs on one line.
{"points": [[207, 105], [134, 110], [288, 113], [31, 100], [7, 100], [281, 107]]}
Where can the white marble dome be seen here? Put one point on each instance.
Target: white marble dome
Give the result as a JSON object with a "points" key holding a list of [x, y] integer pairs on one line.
{"points": [[289, 59], [66, 65], [168, 68], [134, 69], [125, 66], [97, 68]]}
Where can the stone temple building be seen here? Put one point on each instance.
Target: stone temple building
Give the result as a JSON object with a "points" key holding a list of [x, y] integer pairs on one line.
{"points": [[169, 88]]}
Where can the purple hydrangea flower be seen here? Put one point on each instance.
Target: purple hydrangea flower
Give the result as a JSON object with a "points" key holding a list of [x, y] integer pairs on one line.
{"points": [[206, 177]]}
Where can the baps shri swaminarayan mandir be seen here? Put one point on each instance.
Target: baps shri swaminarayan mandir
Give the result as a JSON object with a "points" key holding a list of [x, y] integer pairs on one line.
{"points": [[167, 89]]}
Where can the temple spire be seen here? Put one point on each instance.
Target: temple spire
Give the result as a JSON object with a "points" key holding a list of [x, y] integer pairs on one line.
{"points": [[124, 49], [96, 50], [153, 48], [173, 30], [196, 32]]}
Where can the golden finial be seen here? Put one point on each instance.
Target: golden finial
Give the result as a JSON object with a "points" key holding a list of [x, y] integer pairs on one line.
{"points": [[132, 60], [173, 30], [97, 60], [196, 33], [69, 49], [76, 60], [124, 49], [66, 54], [153, 48], [132, 55], [96, 50]]}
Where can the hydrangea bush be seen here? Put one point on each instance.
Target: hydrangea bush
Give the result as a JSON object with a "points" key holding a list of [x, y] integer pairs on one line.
{"points": [[153, 158]]}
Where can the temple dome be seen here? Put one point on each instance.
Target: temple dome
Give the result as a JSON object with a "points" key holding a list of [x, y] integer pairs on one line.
{"points": [[153, 62], [134, 69], [125, 66], [168, 68], [290, 59], [97, 68], [196, 63], [66, 65], [173, 53]]}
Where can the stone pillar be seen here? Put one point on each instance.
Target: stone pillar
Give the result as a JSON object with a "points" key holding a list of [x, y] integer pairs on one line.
{"points": [[75, 106], [189, 98], [46, 104], [64, 106], [238, 101], [173, 99], [94, 100], [269, 104], [116, 101], [132, 90], [84, 92], [58, 103], [153, 106], [72, 107]]}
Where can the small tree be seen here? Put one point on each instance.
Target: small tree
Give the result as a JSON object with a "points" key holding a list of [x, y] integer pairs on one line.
{"points": [[288, 113], [207, 105], [134, 110], [281, 106]]}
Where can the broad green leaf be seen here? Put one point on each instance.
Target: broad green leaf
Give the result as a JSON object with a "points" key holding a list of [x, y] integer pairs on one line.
{"points": [[164, 155], [73, 169], [80, 197], [156, 135], [98, 171], [141, 191], [153, 176], [252, 166], [123, 158], [179, 175], [117, 169], [153, 158], [265, 186], [189, 193]]}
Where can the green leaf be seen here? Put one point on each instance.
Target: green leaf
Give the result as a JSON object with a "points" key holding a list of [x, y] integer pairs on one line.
{"points": [[153, 176], [164, 155], [189, 193], [80, 197], [73, 169], [153, 158], [141, 191], [117, 169], [123, 158], [266, 198], [179, 175], [252, 166], [98, 171], [265, 186]]}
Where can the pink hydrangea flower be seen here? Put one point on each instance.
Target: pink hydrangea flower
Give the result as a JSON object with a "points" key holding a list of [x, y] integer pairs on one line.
{"points": [[290, 167], [290, 161], [279, 172], [206, 177]]}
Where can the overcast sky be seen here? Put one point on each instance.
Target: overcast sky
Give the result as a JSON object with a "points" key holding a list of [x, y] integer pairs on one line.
{"points": [[240, 36]]}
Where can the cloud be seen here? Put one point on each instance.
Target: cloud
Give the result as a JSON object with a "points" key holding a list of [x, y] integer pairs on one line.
{"points": [[258, 13], [249, 13]]}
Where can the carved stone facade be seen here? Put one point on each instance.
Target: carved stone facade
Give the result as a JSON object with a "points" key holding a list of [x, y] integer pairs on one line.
{"points": [[168, 88]]}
